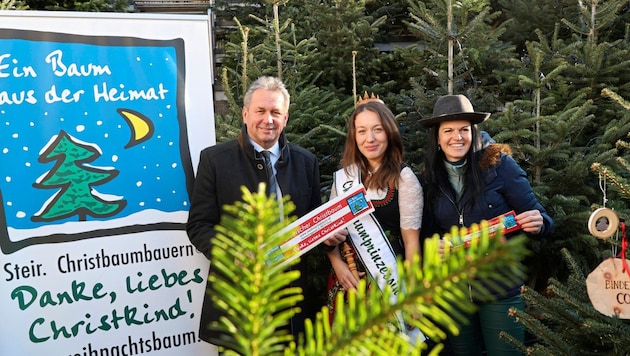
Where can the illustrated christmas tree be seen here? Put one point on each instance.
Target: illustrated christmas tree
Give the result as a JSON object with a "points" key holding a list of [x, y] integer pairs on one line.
{"points": [[75, 182]]}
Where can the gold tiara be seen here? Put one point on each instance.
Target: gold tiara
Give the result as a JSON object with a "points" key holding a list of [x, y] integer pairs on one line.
{"points": [[367, 98]]}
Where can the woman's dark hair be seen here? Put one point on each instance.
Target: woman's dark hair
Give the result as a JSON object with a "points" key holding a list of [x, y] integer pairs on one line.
{"points": [[388, 173], [434, 172]]}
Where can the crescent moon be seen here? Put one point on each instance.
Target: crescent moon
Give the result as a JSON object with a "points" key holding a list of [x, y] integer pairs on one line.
{"points": [[141, 126]]}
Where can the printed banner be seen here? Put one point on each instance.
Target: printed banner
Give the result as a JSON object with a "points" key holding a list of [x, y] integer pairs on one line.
{"points": [[506, 221], [101, 115], [316, 226]]}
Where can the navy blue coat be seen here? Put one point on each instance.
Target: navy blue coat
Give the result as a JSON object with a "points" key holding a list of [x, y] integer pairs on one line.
{"points": [[221, 172], [506, 188]]}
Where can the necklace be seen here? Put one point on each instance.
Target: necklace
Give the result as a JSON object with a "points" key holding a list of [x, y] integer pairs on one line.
{"points": [[372, 171]]}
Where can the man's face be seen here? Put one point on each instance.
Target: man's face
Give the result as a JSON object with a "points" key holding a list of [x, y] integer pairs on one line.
{"points": [[265, 117]]}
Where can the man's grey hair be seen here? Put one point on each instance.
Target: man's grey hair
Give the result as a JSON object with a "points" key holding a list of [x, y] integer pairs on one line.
{"points": [[267, 83]]}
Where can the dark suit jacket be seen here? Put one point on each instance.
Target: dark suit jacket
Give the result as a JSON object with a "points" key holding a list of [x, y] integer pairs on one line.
{"points": [[222, 170]]}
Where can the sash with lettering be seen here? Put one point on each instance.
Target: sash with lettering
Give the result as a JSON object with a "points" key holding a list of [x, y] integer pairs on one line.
{"points": [[373, 247]]}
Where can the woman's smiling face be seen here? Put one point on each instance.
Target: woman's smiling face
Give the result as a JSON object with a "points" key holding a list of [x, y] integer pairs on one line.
{"points": [[455, 139], [370, 137]]}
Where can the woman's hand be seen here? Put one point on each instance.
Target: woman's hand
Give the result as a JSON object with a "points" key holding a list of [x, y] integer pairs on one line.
{"points": [[342, 270], [337, 238], [531, 221], [346, 278]]}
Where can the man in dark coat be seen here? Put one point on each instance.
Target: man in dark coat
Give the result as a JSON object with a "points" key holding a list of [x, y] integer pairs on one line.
{"points": [[225, 167]]}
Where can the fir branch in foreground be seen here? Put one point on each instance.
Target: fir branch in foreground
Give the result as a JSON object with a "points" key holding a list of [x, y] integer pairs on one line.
{"points": [[434, 298], [257, 298], [255, 293]]}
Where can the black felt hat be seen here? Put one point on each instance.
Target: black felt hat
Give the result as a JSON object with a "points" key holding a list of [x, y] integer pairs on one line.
{"points": [[454, 107]]}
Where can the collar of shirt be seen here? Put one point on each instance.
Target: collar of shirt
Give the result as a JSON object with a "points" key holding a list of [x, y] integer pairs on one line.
{"points": [[456, 176], [274, 150], [274, 155]]}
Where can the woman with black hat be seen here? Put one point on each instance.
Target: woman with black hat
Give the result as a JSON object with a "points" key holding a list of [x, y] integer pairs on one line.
{"points": [[466, 181]]}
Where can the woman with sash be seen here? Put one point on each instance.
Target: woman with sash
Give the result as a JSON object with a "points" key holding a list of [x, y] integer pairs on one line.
{"points": [[373, 156]]}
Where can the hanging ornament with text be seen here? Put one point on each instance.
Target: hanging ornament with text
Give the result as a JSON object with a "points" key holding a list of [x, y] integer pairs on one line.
{"points": [[608, 286]]}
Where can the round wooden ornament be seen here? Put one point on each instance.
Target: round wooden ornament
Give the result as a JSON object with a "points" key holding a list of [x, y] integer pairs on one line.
{"points": [[603, 223]]}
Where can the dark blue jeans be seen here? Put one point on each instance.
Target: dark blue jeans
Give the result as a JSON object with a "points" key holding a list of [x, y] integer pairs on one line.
{"points": [[483, 328]]}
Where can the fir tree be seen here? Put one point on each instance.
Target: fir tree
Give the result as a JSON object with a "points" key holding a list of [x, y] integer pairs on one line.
{"points": [[347, 29], [564, 322], [462, 52], [579, 127], [540, 127], [529, 17], [462, 46], [562, 319], [597, 63]]}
